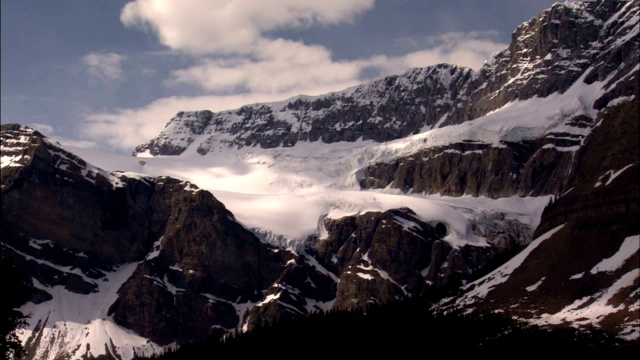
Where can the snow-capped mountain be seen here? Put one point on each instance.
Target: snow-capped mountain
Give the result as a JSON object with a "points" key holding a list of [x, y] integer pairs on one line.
{"points": [[390, 189], [591, 41]]}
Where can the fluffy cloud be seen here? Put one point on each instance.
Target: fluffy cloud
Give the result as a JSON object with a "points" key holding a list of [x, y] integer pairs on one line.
{"points": [[469, 49], [104, 66], [281, 66], [232, 26], [285, 66]]}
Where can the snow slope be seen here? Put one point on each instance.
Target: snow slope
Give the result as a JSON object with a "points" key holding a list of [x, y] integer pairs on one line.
{"points": [[77, 325]]}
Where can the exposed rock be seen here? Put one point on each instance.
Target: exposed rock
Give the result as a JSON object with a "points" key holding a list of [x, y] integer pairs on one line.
{"points": [[560, 278], [70, 224], [530, 168], [379, 257], [385, 109], [206, 263], [49, 193]]}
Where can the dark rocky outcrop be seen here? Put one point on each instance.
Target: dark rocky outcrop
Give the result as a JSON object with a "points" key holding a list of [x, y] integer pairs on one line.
{"points": [[385, 109], [378, 257], [599, 211], [527, 168], [58, 212], [388, 250], [205, 264]]}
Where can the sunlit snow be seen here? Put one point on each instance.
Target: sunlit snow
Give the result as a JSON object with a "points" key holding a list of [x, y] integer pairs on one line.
{"points": [[629, 247], [78, 324]]}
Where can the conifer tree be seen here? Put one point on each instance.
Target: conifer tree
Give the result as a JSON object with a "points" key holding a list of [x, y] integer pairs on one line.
{"points": [[15, 293]]}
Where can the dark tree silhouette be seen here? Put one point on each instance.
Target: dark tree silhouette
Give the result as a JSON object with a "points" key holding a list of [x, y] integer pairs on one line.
{"points": [[15, 292]]}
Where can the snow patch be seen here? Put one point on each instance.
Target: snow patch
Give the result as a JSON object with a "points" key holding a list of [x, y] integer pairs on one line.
{"points": [[536, 285], [75, 325], [629, 248], [591, 309]]}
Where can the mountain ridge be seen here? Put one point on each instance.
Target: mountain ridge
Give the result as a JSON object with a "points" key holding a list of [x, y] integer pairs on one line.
{"points": [[295, 227], [545, 56]]}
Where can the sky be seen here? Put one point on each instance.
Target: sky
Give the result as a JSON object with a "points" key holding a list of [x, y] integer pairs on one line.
{"points": [[110, 74]]}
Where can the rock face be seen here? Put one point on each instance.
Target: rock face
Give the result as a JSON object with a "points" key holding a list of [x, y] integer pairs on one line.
{"points": [[203, 255], [389, 250], [528, 168], [383, 256], [69, 214], [596, 219], [193, 259], [551, 53]]}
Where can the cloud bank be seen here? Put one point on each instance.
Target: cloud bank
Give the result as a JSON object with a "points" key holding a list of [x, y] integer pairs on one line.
{"points": [[233, 26]]}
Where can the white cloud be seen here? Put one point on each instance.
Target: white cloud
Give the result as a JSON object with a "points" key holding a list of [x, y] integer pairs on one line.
{"points": [[232, 26], [104, 66], [469, 49], [282, 66]]}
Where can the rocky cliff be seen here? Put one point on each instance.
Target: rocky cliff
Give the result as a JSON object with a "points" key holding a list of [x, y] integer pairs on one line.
{"points": [[565, 47], [582, 269], [383, 110]]}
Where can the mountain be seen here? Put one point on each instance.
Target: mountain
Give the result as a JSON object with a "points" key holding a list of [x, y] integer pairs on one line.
{"points": [[591, 41], [525, 171], [124, 263]]}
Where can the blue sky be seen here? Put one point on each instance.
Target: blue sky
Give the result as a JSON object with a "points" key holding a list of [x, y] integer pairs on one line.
{"points": [[111, 74]]}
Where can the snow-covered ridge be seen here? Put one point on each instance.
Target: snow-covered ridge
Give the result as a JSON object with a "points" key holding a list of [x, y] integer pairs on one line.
{"points": [[378, 111], [14, 146], [549, 54]]}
